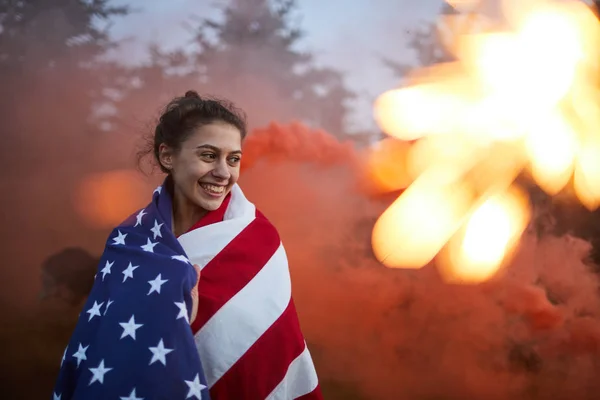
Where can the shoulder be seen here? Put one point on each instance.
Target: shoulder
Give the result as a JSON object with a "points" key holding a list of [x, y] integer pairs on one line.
{"points": [[262, 218], [264, 225]]}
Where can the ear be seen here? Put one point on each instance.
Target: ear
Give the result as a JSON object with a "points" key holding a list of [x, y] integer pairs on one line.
{"points": [[165, 156]]}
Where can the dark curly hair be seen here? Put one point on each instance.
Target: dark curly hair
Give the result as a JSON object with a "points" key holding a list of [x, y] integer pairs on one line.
{"points": [[185, 114]]}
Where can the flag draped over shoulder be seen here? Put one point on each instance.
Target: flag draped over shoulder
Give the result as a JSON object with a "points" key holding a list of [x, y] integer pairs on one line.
{"points": [[133, 339], [247, 330]]}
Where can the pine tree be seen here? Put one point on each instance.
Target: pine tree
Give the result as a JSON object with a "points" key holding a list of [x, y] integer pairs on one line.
{"points": [[51, 73], [427, 43], [251, 56], [52, 77]]}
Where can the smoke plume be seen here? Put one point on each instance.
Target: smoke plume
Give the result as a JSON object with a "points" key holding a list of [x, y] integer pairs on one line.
{"points": [[375, 333], [531, 333]]}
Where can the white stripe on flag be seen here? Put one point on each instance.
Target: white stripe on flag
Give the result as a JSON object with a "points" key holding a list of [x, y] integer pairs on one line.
{"points": [[203, 244], [300, 379], [224, 339]]}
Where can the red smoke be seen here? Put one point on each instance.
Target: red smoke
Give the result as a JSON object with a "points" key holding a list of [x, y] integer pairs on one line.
{"points": [[378, 333], [532, 333], [295, 143]]}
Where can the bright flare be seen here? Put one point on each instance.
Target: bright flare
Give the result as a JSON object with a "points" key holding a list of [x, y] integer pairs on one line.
{"points": [[587, 174], [478, 251], [106, 199], [552, 147], [417, 225], [416, 111], [386, 166], [523, 96]]}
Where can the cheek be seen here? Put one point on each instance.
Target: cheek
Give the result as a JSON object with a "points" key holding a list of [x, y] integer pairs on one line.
{"points": [[196, 170], [235, 174], [189, 173]]}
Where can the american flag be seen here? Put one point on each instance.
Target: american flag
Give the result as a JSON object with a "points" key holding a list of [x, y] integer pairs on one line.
{"points": [[133, 339], [247, 330]]}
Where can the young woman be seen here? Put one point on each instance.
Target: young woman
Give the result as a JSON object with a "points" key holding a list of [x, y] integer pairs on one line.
{"points": [[244, 341]]}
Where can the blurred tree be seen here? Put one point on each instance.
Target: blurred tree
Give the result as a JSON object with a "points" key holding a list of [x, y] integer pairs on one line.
{"points": [[254, 50], [51, 72], [427, 43], [36, 35], [250, 56], [143, 89], [52, 75]]}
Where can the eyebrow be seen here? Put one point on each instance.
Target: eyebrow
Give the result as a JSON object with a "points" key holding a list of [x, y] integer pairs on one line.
{"points": [[216, 149]]}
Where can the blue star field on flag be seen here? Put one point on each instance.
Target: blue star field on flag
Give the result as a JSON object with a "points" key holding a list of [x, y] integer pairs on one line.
{"points": [[133, 339]]}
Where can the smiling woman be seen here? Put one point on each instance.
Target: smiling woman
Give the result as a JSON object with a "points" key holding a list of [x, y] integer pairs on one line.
{"points": [[231, 333], [198, 142]]}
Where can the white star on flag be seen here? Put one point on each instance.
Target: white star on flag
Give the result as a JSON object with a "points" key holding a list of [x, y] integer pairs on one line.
{"points": [[106, 270], [181, 258], [132, 396], [195, 388], [128, 272], [98, 372], [182, 311], [159, 352], [149, 246], [156, 229], [148, 252], [95, 310], [158, 190], [139, 217], [156, 284], [130, 327], [80, 354], [120, 239]]}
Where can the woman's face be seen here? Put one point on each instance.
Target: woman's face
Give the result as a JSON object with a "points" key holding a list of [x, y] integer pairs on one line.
{"points": [[207, 166]]}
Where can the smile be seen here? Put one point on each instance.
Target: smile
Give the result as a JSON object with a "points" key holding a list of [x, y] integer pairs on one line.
{"points": [[214, 190]]}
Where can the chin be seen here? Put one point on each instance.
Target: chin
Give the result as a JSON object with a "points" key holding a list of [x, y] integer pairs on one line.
{"points": [[210, 202], [210, 205]]}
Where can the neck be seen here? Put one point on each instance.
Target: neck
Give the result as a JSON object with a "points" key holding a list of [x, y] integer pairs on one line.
{"points": [[185, 213]]}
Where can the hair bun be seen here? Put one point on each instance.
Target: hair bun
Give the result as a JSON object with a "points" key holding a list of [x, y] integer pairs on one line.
{"points": [[192, 94]]}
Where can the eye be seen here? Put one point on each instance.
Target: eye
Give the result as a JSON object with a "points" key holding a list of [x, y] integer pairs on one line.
{"points": [[235, 159], [209, 156]]}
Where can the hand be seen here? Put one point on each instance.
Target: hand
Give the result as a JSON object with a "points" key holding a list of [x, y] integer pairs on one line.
{"points": [[195, 295]]}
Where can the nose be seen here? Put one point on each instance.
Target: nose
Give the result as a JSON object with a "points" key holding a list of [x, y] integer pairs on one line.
{"points": [[221, 170]]}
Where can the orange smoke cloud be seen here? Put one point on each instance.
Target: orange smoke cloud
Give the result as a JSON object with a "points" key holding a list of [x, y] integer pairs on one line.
{"points": [[294, 142], [386, 166], [104, 200], [532, 332]]}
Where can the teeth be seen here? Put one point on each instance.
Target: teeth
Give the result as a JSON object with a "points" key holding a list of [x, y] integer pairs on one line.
{"points": [[213, 188]]}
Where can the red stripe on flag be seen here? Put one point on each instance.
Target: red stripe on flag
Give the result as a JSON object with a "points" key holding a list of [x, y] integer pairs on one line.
{"points": [[266, 362], [236, 265], [212, 217]]}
